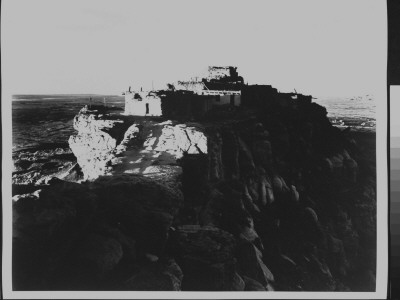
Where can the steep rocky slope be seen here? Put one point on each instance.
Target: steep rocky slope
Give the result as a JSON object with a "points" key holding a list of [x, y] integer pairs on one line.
{"points": [[270, 199], [297, 190]]}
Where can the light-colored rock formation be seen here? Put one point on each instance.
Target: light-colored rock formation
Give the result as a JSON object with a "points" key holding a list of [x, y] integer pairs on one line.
{"points": [[178, 139], [107, 145], [93, 145], [160, 145]]}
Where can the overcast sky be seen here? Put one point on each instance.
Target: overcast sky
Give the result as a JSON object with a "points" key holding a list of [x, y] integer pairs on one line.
{"points": [[94, 46]]}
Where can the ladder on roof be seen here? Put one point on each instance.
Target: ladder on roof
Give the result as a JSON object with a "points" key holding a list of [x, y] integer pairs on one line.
{"points": [[206, 88]]}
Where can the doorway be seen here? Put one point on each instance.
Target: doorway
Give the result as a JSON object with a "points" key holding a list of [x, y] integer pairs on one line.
{"points": [[232, 100]]}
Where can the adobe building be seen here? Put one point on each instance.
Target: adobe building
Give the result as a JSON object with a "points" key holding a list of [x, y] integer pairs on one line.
{"points": [[226, 95], [221, 87], [142, 103]]}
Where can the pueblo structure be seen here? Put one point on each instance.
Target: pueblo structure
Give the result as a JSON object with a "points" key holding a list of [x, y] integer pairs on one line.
{"points": [[194, 98]]}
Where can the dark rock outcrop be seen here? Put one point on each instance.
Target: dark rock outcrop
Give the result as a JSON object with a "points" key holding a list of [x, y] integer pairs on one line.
{"points": [[251, 264], [78, 236], [277, 182]]}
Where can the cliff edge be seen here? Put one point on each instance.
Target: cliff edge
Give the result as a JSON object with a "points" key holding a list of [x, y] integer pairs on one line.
{"points": [[273, 198]]}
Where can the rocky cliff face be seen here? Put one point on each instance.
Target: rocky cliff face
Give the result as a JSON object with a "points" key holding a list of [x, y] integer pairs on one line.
{"points": [[94, 144], [297, 194], [105, 146], [87, 236], [269, 200]]}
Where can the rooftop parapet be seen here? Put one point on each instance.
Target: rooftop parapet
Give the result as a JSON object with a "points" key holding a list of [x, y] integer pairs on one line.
{"points": [[215, 72]]}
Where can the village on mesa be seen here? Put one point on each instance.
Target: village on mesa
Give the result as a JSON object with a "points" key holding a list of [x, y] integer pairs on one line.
{"points": [[222, 86]]}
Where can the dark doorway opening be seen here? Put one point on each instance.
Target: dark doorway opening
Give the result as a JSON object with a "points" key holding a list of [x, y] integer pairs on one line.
{"points": [[232, 100], [147, 108]]}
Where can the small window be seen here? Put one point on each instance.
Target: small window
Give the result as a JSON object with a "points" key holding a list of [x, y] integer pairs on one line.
{"points": [[137, 96]]}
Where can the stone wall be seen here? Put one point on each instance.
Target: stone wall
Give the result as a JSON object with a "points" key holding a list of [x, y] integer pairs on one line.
{"points": [[142, 104]]}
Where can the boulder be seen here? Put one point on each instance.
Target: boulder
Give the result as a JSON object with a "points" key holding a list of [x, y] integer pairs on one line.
{"points": [[311, 226], [132, 134], [249, 203], [238, 283], [263, 191], [277, 183], [252, 187], [269, 190], [311, 214], [248, 233], [177, 139], [95, 142], [294, 194]]}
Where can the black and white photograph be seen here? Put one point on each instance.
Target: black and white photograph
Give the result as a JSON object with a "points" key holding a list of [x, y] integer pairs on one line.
{"points": [[194, 149]]}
